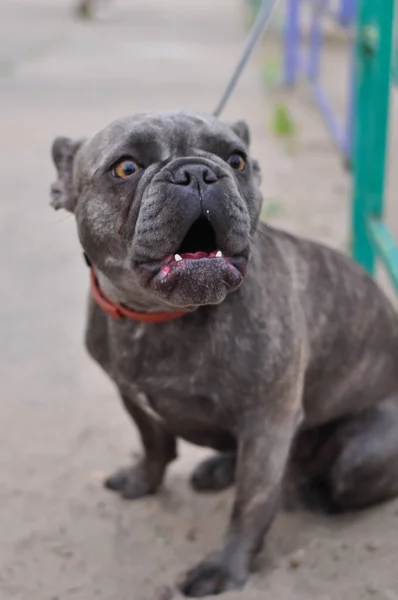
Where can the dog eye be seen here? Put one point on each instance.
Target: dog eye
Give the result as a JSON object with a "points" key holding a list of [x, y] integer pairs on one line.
{"points": [[125, 168], [237, 162]]}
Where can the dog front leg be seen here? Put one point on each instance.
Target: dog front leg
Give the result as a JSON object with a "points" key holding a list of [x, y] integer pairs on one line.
{"points": [[263, 449], [145, 477]]}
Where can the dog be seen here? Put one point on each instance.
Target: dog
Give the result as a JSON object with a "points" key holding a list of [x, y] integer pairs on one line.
{"points": [[278, 353]]}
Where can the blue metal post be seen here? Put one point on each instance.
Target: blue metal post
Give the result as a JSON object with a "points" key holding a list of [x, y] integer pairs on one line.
{"points": [[347, 12], [291, 41]]}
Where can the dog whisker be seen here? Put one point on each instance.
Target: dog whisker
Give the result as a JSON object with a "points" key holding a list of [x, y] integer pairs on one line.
{"points": [[63, 219]]}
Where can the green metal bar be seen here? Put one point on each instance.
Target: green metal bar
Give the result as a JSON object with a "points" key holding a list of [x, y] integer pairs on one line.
{"points": [[253, 6], [394, 72], [385, 248], [371, 108]]}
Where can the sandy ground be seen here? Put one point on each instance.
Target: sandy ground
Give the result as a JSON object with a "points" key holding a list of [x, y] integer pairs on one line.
{"points": [[61, 425]]}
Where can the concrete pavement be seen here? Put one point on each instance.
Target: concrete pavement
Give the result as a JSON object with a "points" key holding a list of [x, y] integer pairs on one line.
{"points": [[61, 425]]}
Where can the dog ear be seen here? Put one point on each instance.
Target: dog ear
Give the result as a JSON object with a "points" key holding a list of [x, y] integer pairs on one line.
{"points": [[63, 154], [242, 130]]}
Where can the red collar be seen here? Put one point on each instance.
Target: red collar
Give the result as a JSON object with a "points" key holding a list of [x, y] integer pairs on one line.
{"points": [[119, 312]]}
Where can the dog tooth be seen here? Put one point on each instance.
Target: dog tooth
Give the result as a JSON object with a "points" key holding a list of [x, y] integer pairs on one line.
{"points": [[177, 257], [219, 254]]}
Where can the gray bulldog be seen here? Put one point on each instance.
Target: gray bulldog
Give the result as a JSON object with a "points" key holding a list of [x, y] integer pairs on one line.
{"points": [[278, 353]]}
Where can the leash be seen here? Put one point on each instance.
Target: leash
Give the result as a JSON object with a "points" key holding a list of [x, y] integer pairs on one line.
{"points": [[261, 23]]}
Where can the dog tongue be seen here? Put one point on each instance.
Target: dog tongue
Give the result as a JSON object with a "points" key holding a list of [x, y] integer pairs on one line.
{"points": [[196, 255]]}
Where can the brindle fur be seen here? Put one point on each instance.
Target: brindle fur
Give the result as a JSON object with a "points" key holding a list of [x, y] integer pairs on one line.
{"points": [[297, 369]]}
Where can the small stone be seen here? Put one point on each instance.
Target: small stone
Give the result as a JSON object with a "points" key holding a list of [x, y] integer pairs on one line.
{"points": [[371, 590], [296, 559], [371, 547], [164, 593], [344, 546], [192, 535], [337, 556]]}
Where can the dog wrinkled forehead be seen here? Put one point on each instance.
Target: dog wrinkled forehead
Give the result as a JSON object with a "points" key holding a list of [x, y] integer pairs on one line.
{"points": [[160, 136]]}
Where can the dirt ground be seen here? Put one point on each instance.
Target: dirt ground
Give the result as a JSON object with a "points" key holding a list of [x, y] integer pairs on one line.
{"points": [[61, 425]]}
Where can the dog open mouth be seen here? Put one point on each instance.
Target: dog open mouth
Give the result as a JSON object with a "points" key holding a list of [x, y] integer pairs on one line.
{"points": [[197, 259]]}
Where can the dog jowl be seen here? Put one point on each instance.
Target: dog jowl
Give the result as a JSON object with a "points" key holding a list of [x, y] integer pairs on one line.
{"points": [[278, 353], [150, 191]]}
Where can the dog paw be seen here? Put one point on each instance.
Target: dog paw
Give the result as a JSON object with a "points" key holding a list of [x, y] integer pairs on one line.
{"points": [[131, 483], [209, 578], [214, 474]]}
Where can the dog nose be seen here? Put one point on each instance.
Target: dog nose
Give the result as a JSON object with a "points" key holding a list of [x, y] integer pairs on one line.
{"points": [[194, 176]]}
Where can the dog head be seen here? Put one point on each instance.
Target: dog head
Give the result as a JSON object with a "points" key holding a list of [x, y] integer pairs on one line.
{"points": [[165, 204]]}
